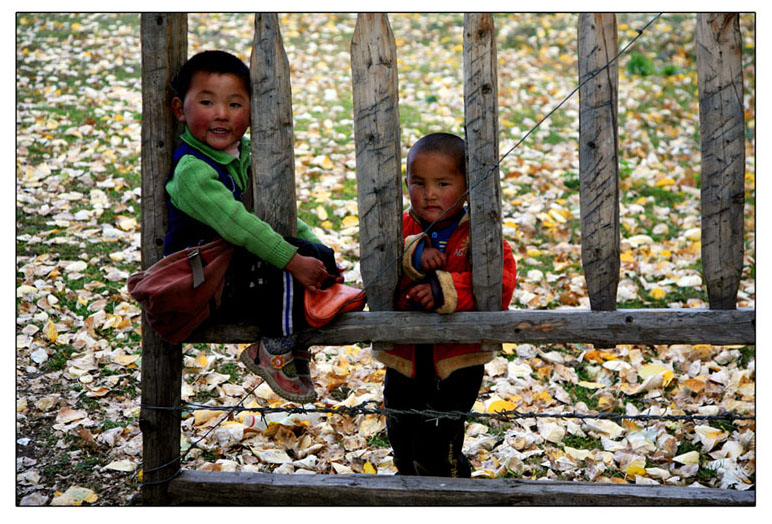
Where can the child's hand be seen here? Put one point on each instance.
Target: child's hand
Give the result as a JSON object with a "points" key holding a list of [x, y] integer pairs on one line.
{"points": [[309, 271], [432, 258], [421, 294]]}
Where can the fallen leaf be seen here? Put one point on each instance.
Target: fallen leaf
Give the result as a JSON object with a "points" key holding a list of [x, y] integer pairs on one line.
{"points": [[689, 459], [51, 332], [67, 415], [500, 405], [122, 465], [694, 385], [74, 496]]}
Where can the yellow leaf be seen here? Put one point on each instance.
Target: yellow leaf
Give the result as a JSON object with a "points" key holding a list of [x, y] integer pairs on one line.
{"points": [[648, 370], [509, 349], [326, 224], [203, 415], [500, 405], [630, 426], [694, 233], [657, 293], [626, 257], [321, 213], [201, 360], [665, 182], [555, 453], [590, 385], [545, 397], [558, 216], [636, 467], [369, 469], [578, 454], [606, 402], [51, 333], [74, 496], [126, 360], [350, 221], [690, 458]]}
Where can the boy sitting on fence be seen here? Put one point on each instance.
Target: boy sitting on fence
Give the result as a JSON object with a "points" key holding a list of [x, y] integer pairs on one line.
{"points": [[436, 277], [210, 174]]}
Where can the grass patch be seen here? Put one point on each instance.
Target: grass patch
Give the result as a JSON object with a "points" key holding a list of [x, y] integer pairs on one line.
{"points": [[640, 65], [582, 394], [379, 440], [579, 442]]}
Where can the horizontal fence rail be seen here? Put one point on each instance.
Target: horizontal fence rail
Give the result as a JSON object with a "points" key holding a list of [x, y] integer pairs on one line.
{"points": [[204, 487], [623, 326]]}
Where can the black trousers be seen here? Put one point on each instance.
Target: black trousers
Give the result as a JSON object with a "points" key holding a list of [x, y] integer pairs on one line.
{"points": [[260, 293], [423, 445]]}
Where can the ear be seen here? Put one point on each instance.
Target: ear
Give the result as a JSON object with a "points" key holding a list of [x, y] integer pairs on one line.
{"points": [[178, 109]]}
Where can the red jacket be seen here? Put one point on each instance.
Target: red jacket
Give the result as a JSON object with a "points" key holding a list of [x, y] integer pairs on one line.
{"points": [[456, 283]]}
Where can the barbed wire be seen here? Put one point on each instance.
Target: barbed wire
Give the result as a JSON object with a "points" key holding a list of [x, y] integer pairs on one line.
{"points": [[372, 407], [366, 408]]}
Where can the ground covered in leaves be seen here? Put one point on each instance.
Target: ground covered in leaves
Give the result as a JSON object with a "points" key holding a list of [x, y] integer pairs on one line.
{"points": [[78, 349]]}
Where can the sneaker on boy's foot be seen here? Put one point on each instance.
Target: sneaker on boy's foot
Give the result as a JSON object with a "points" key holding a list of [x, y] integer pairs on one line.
{"points": [[278, 370]]}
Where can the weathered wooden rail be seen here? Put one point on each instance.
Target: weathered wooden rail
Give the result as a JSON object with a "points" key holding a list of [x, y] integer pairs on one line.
{"points": [[376, 117]]}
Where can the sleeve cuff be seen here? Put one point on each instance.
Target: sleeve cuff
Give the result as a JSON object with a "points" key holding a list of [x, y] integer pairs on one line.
{"points": [[450, 297], [411, 245]]}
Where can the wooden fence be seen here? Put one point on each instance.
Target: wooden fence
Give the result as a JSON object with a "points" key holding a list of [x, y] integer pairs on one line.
{"points": [[376, 117]]}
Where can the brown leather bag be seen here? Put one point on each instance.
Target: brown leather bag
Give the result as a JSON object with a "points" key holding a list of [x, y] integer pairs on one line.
{"points": [[324, 305], [183, 289]]}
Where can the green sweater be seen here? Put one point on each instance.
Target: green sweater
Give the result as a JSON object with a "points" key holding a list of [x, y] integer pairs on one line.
{"points": [[195, 189]]}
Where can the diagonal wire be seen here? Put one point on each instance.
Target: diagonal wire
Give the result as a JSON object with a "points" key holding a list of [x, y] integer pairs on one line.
{"points": [[495, 166]]}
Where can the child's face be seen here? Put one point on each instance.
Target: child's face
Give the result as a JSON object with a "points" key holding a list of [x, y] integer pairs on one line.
{"points": [[435, 186], [216, 109]]}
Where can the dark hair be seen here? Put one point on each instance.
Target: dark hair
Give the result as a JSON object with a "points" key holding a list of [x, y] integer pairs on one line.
{"points": [[219, 62], [442, 143]]}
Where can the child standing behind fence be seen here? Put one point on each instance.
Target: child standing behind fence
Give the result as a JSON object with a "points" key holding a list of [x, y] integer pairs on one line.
{"points": [[211, 171], [436, 277]]}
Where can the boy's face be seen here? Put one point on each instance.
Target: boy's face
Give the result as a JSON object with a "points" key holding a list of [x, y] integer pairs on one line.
{"points": [[216, 109], [435, 185]]}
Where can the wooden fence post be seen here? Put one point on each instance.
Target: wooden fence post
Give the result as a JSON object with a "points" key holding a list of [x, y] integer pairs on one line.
{"points": [[481, 132], [722, 132], [598, 158], [164, 50], [376, 129], [273, 137]]}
